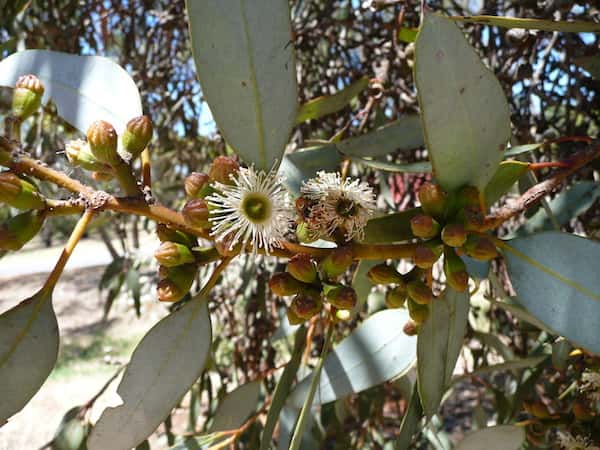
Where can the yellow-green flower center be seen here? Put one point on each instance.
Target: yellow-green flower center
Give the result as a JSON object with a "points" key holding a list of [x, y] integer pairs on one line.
{"points": [[256, 207]]}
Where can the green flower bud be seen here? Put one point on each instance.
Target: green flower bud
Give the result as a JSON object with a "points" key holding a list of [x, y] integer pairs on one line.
{"points": [[433, 199], [306, 305], [342, 297], [410, 328], [302, 268], [171, 254], [19, 193], [471, 218], [195, 213], [197, 185], [480, 247], [165, 233], [384, 274], [222, 168], [427, 253], [336, 263], [293, 319], [468, 196], [418, 313], [176, 282], [455, 271], [304, 234], [283, 284], [27, 96], [137, 135], [19, 230], [454, 235], [224, 248], [102, 138], [395, 297], [424, 226], [79, 154], [419, 292]]}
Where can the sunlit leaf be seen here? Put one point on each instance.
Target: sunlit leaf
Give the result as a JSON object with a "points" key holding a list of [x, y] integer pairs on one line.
{"points": [[236, 407], [390, 227], [508, 173]]}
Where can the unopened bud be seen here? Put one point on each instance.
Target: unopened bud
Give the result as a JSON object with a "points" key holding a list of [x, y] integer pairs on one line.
{"points": [[224, 245], [19, 193], [165, 233], [472, 219], [27, 96], [79, 154], [384, 274], [336, 263], [102, 138], [195, 213], [19, 230], [427, 253], [454, 234], [171, 254], [175, 282], [480, 247], [306, 305], [418, 313], [302, 268], [433, 199], [342, 297], [419, 292], [293, 319], [304, 233], [468, 196], [537, 409], [424, 226], [102, 176], [137, 135], [197, 185], [455, 271], [283, 284], [223, 168], [582, 411], [410, 328], [395, 297]]}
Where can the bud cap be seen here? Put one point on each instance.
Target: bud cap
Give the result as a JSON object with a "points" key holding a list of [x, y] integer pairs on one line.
{"points": [[102, 138], [137, 135], [302, 268]]}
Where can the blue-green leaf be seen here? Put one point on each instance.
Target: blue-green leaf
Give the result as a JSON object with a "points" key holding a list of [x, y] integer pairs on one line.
{"points": [[302, 165], [236, 406], [555, 276]]}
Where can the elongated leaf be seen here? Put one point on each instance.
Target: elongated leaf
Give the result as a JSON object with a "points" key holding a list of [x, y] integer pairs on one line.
{"points": [[410, 421], [505, 177], [300, 166], [236, 407], [439, 343], [162, 368], [391, 227], [361, 284], [403, 134], [28, 350], [576, 26], [247, 71], [84, 88], [464, 111], [321, 106], [500, 437], [377, 351], [556, 278], [520, 149], [416, 167]]}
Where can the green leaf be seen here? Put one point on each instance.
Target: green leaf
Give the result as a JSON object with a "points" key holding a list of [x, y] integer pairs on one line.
{"points": [[506, 176], [407, 35], [361, 284], [576, 26], [84, 88], [377, 351], [555, 276], [28, 350], [520, 149], [403, 134], [301, 165], [438, 346], [390, 228], [590, 64], [247, 72], [162, 368], [236, 407], [464, 111], [410, 422], [321, 106], [71, 432], [500, 437], [283, 388], [416, 167]]}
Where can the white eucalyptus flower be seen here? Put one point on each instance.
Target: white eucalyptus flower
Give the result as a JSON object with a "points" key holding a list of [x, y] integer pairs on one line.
{"points": [[338, 203], [254, 210], [569, 442]]}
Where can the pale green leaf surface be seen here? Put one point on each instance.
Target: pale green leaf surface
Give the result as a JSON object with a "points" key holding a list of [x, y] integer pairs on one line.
{"points": [[410, 422], [246, 68], [390, 227], [500, 437], [236, 407], [520, 149], [464, 112], [361, 284], [162, 368], [416, 167], [301, 165], [84, 88], [576, 26], [555, 276], [439, 343], [28, 351], [507, 174], [377, 351]]}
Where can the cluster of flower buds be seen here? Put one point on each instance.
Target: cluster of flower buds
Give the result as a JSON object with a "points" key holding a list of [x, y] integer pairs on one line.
{"points": [[312, 285], [451, 224]]}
